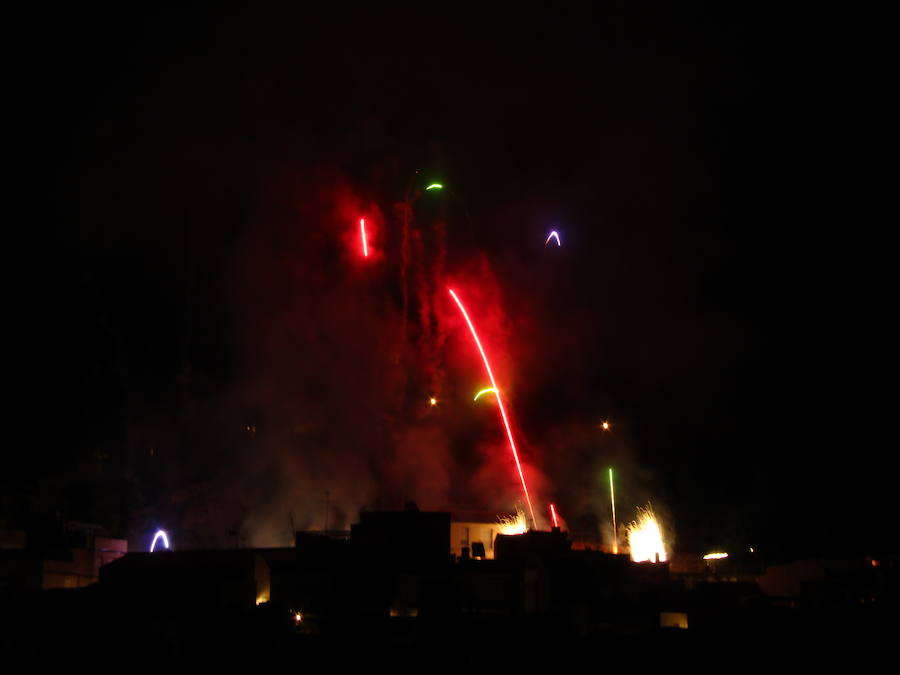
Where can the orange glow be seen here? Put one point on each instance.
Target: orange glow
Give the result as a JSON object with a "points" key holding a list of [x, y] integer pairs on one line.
{"points": [[605, 426], [432, 400]]}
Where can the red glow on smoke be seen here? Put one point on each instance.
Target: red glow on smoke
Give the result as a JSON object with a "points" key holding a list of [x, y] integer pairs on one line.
{"points": [[487, 367]]}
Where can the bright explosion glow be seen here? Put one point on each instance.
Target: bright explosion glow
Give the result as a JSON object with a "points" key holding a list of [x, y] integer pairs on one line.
{"points": [[645, 538]]}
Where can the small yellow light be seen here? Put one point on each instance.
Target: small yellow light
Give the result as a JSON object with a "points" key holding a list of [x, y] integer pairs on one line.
{"points": [[605, 426], [432, 400]]}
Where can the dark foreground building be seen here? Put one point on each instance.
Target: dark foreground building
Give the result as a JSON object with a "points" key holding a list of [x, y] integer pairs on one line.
{"points": [[390, 593]]}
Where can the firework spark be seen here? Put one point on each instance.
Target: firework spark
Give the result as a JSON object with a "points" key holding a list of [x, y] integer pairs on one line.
{"points": [[160, 534], [715, 556], [487, 367], [435, 186], [612, 499], [483, 392], [553, 517], [362, 232], [553, 235]]}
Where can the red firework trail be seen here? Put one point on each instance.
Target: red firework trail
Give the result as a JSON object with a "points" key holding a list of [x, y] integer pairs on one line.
{"points": [[487, 367], [553, 516], [362, 231]]}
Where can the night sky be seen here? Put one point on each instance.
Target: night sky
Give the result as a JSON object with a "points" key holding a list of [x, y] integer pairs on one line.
{"points": [[198, 344]]}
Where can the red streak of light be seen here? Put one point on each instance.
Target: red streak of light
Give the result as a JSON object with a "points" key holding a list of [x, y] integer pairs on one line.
{"points": [[362, 229], [487, 367], [553, 515]]}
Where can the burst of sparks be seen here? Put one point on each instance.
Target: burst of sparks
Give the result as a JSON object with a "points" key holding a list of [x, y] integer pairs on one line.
{"points": [[362, 232], [487, 367], [513, 524], [645, 538], [553, 235], [160, 534], [483, 392]]}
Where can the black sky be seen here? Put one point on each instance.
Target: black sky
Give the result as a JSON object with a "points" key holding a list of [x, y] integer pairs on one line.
{"points": [[722, 183]]}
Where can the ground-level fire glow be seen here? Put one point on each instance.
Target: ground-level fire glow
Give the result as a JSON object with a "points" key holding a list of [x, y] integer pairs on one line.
{"points": [[517, 524], [645, 538]]}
